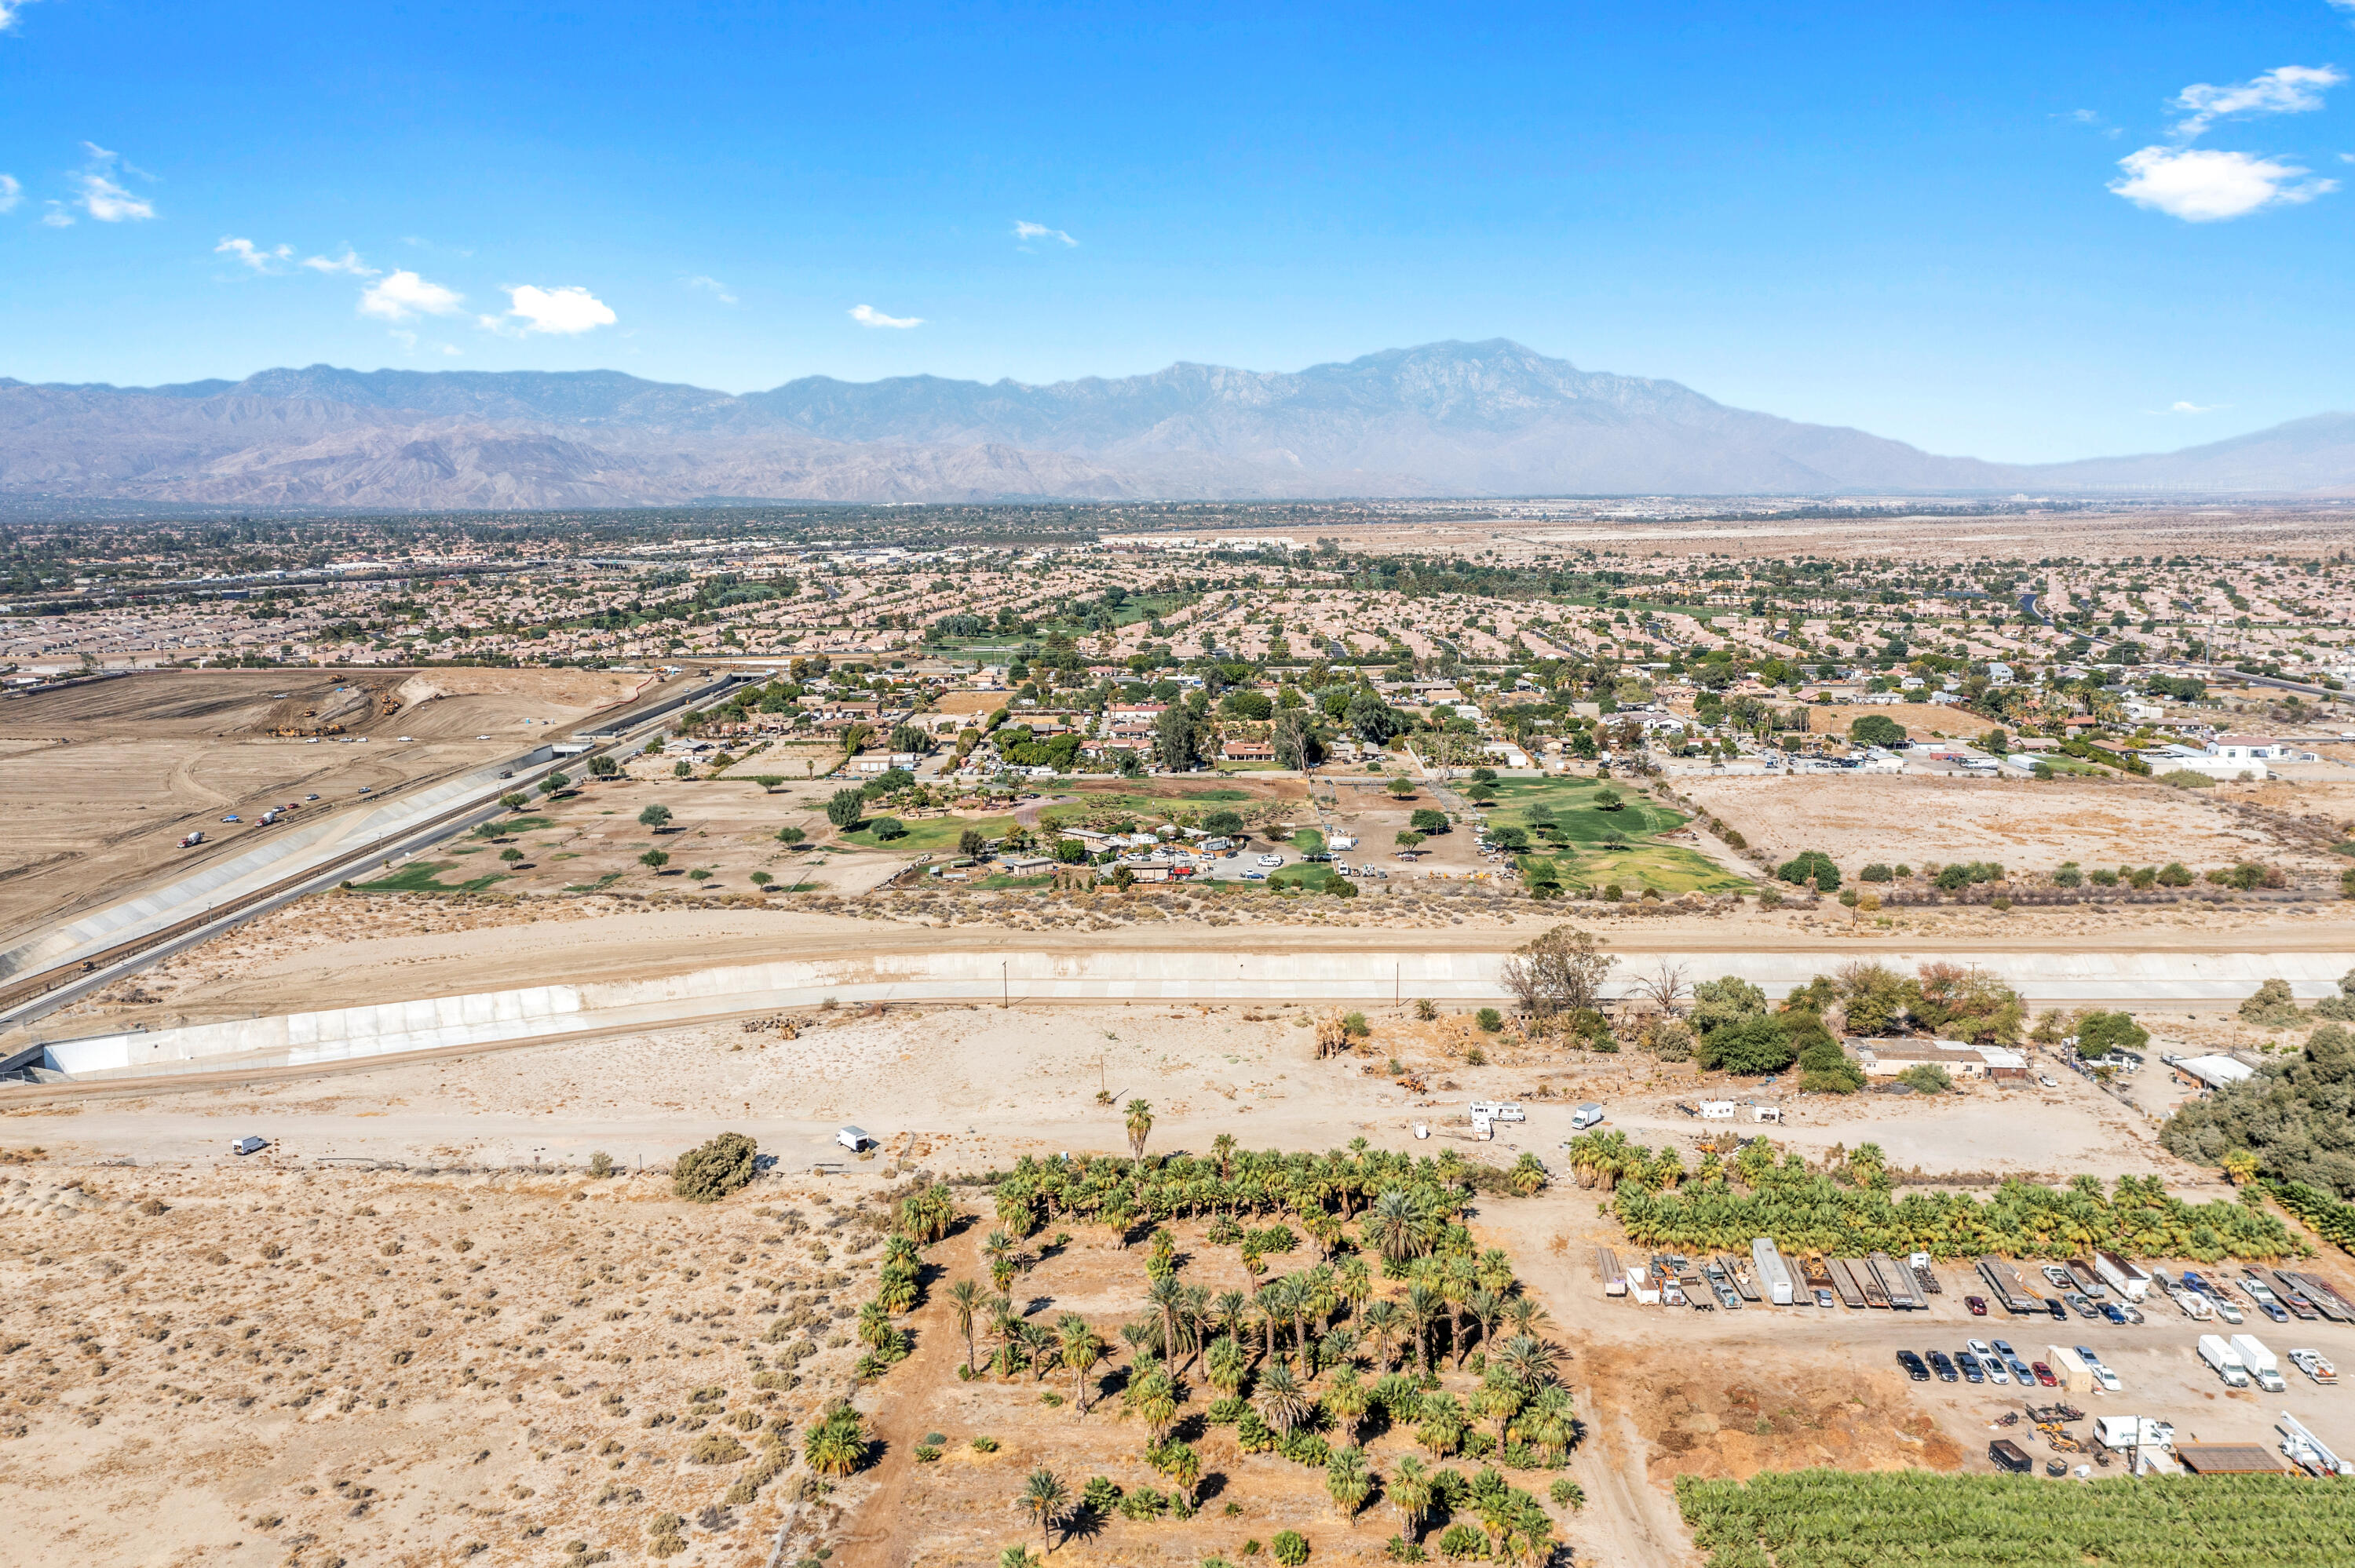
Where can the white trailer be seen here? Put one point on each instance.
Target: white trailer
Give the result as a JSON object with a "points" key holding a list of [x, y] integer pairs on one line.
{"points": [[2262, 1364], [2223, 1360], [1775, 1282], [1498, 1110], [2134, 1432], [2129, 1281]]}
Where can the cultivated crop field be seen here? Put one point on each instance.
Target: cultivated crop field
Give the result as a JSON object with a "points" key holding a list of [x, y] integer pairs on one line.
{"points": [[1832, 1519]]}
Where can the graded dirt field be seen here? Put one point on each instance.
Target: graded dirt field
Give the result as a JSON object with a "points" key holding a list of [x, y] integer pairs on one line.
{"points": [[100, 781], [2025, 825]]}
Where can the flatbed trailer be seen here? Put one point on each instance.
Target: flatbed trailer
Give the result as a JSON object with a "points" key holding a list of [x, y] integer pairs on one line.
{"points": [[1738, 1275], [2325, 1295], [1816, 1273], [1898, 1281], [1860, 1289], [1606, 1265]]}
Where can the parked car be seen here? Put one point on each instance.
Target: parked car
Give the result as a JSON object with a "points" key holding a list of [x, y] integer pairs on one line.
{"points": [[2056, 1309], [1976, 1305], [1969, 1364], [2044, 1378], [1824, 1299], [2111, 1311], [1945, 1368], [1254, 876], [2048, 1081], [2102, 1375], [1989, 1361], [1271, 859], [1914, 1367]]}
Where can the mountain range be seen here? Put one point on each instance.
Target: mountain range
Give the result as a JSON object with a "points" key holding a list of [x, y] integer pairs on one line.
{"points": [[1465, 420]]}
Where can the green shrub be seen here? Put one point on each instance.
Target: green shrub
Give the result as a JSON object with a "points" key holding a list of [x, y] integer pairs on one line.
{"points": [[1490, 1021], [1290, 1548], [709, 1174], [1927, 1078]]}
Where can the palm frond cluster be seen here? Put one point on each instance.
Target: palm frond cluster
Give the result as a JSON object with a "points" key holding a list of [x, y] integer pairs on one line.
{"points": [[1322, 1192], [1836, 1519], [2333, 1221], [1849, 1211]]}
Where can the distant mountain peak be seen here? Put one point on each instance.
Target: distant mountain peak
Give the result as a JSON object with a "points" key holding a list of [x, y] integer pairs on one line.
{"points": [[1451, 417]]}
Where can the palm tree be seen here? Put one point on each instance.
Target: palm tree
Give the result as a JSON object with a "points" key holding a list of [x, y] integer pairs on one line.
{"points": [[1498, 1400], [1019, 1557], [1182, 1464], [1283, 1402], [1409, 1490], [1381, 1319], [1270, 1300], [1394, 1224], [1348, 1482], [1549, 1421], [1354, 1282], [837, 1444], [1155, 1397], [1224, 1148], [1224, 1365], [1228, 1310], [1526, 1359], [965, 1299], [875, 1328], [1524, 1314], [1486, 1306], [1038, 1349], [1079, 1348], [1139, 1124], [1456, 1284], [1045, 1498], [1164, 1296], [1345, 1400], [1423, 1306]]}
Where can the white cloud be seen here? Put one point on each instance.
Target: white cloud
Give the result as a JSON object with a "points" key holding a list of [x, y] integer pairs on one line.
{"points": [[347, 262], [252, 255], [102, 197], [11, 193], [2204, 185], [2286, 89], [867, 315], [568, 311], [56, 216], [1026, 230], [405, 295], [2180, 406], [9, 9], [712, 286], [109, 203], [452, 350]]}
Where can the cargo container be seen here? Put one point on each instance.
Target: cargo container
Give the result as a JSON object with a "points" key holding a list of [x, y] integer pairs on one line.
{"points": [[2071, 1368], [1775, 1282], [2127, 1279], [2007, 1454], [2223, 1360], [2263, 1369]]}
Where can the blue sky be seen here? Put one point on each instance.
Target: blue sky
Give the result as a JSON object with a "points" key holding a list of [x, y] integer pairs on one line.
{"points": [[2021, 231]]}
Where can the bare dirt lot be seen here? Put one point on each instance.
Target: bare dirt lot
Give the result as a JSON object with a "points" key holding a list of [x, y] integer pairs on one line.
{"points": [[101, 782], [2025, 825]]}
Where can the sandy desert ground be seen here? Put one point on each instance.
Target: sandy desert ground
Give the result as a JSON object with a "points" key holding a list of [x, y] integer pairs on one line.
{"points": [[2034, 826], [101, 782]]}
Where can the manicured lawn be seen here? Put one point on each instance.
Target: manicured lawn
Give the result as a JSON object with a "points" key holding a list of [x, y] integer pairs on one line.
{"points": [[1592, 848], [422, 876], [931, 834]]}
